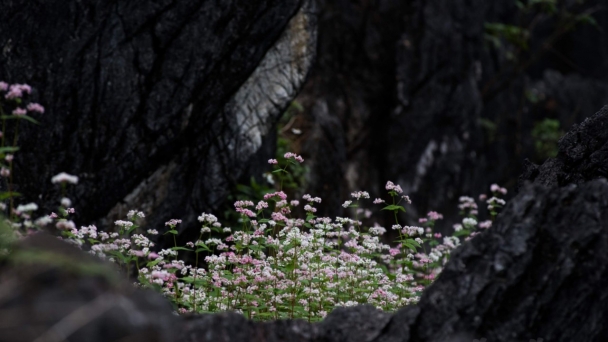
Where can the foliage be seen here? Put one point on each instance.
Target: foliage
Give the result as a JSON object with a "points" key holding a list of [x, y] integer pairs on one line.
{"points": [[546, 134]]}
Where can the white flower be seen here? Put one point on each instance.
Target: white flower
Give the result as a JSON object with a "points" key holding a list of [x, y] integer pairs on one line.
{"points": [[66, 202], [346, 204], [64, 178], [27, 207], [469, 222]]}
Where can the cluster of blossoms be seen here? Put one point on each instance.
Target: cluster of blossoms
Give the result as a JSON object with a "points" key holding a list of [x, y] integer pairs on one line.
{"points": [[276, 265]]}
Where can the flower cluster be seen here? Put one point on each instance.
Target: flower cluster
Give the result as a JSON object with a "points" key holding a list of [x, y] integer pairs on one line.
{"points": [[276, 265]]}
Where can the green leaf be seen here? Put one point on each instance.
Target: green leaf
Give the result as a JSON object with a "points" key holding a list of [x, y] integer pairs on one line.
{"points": [[413, 242], [463, 232], [154, 263], [181, 249], [6, 194], [172, 231], [19, 117], [394, 207], [9, 149], [203, 248]]}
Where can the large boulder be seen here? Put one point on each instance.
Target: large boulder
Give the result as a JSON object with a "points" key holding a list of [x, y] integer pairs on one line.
{"points": [[160, 106]]}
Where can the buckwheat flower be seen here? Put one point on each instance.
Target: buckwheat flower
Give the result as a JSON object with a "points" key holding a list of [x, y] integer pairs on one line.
{"points": [[392, 187], [294, 203], [27, 207], [433, 215], [205, 230], [19, 111], [65, 225], [71, 210], [272, 161], [190, 244], [457, 227], [483, 197], [153, 256], [261, 205], [396, 227], [378, 201], [3, 86], [43, 221], [419, 240], [279, 194], [4, 172], [173, 222], [227, 230], [346, 204], [14, 92], [53, 216], [152, 231], [66, 202], [437, 235], [422, 220], [125, 224], [64, 178], [485, 224], [469, 222], [310, 209], [360, 194], [35, 107], [9, 158]]}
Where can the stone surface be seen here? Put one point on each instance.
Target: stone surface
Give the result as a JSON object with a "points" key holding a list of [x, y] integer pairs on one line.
{"points": [[159, 106], [52, 291], [413, 92]]}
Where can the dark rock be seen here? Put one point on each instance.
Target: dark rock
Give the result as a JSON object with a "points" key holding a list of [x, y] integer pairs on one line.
{"points": [[157, 106], [52, 291], [582, 156], [413, 92]]}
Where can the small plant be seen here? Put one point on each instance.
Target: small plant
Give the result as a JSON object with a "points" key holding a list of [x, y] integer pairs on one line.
{"points": [[546, 134]]}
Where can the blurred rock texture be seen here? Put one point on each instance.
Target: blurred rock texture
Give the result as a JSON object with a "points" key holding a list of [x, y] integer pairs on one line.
{"points": [[158, 105], [415, 92], [540, 273]]}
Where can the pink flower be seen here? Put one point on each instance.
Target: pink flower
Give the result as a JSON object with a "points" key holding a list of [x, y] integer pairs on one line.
{"points": [[9, 158], [53, 215], [3, 86], [294, 156], [4, 172], [19, 111], [392, 187], [422, 220], [172, 222], [35, 107], [433, 215], [16, 91], [272, 161]]}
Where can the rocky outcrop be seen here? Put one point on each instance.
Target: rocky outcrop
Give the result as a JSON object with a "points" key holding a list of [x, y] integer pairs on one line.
{"points": [[582, 156], [158, 106], [414, 92]]}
